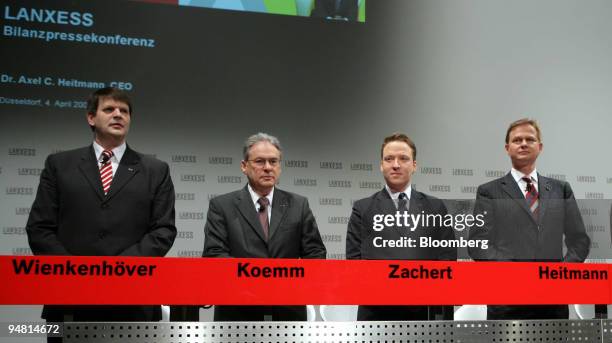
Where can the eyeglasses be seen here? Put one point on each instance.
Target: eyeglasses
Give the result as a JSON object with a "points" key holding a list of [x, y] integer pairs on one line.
{"points": [[261, 162], [404, 159]]}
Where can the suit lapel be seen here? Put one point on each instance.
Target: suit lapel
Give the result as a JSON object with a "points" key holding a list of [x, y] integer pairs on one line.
{"points": [[514, 192], [280, 203], [544, 188], [416, 203], [89, 168], [245, 206], [128, 167], [384, 203]]}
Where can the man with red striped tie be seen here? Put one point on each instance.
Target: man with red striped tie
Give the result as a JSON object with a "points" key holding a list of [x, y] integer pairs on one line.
{"points": [[103, 200], [528, 217]]}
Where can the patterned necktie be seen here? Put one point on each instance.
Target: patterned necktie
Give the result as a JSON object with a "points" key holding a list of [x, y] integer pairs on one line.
{"points": [[402, 201], [531, 196], [263, 214], [106, 170]]}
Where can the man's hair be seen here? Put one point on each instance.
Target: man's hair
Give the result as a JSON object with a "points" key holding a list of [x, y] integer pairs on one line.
{"points": [[107, 92], [256, 138], [523, 121], [399, 137]]}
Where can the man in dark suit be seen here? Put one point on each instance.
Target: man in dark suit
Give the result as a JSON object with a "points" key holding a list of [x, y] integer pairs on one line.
{"points": [[103, 200], [261, 221], [398, 163], [336, 9], [527, 217]]}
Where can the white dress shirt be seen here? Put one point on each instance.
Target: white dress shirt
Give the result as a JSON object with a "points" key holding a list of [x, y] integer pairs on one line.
{"points": [[117, 155]]}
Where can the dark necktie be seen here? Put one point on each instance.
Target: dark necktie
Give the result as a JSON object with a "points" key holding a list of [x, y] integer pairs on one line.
{"points": [[263, 215], [531, 196], [402, 202], [106, 170]]}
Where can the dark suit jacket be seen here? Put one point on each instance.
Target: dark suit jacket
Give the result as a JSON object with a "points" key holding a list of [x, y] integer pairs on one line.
{"points": [[233, 230], [72, 216], [514, 235], [359, 244]]}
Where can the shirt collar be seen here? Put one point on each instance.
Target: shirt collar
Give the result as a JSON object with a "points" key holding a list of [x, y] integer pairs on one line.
{"points": [[255, 196], [117, 152], [517, 175], [395, 196]]}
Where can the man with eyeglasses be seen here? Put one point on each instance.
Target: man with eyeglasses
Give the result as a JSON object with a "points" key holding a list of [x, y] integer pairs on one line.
{"points": [[527, 218], [363, 238], [261, 221]]}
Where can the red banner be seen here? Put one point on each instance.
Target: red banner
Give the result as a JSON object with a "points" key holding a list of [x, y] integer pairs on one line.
{"points": [[194, 281]]}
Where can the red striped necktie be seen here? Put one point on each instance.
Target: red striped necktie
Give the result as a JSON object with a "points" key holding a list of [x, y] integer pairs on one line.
{"points": [[531, 196], [106, 170]]}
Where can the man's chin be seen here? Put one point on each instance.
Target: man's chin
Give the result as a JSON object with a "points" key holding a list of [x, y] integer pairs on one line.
{"points": [[523, 158], [399, 185], [518, 163], [118, 135], [113, 136], [397, 181]]}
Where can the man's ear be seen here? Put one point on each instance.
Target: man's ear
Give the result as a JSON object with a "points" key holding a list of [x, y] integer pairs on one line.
{"points": [[90, 119]]}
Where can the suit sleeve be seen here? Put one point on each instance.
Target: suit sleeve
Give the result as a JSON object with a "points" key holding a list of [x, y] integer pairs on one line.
{"points": [[216, 240], [353, 234], [42, 226], [312, 245], [445, 233], [162, 232], [577, 241]]}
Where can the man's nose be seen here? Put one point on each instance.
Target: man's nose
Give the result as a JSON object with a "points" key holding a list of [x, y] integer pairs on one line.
{"points": [[118, 113]]}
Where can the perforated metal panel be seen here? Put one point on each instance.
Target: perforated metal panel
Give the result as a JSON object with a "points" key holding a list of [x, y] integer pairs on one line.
{"points": [[319, 332], [606, 331], [529, 331]]}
